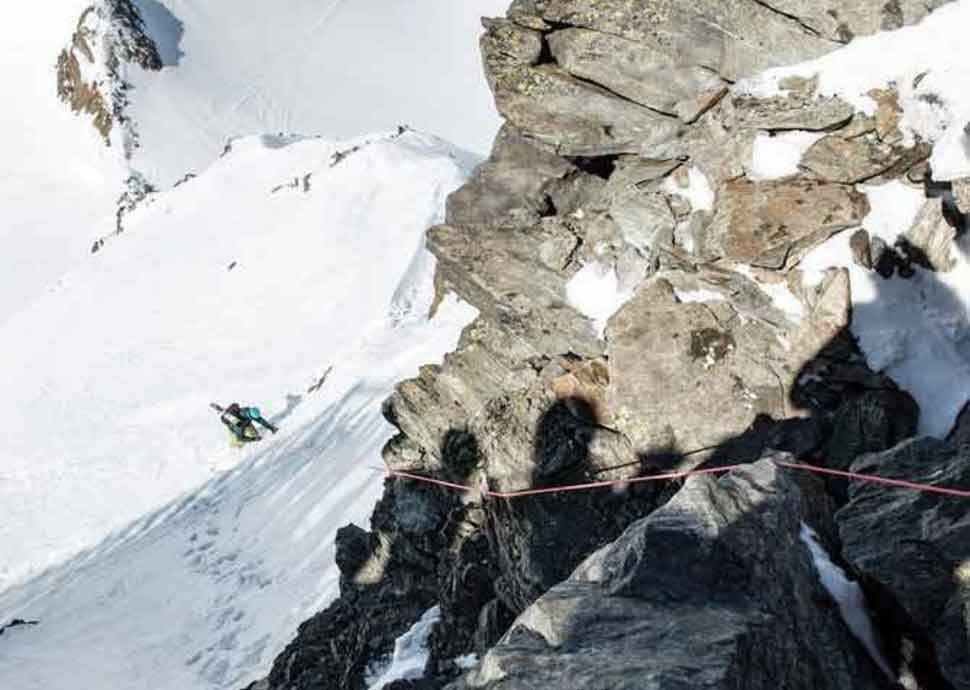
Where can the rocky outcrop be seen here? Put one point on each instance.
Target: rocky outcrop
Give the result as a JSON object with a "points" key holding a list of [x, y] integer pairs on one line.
{"points": [[728, 556], [90, 72], [914, 547], [773, 224], [624, 152]]}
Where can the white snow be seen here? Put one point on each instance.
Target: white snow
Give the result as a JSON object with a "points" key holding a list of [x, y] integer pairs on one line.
{"points": [[781, 296], [778, 155], [202, 583], [58, 179], [848, 595], [410, 653], [698, 191], [916, 330], [340, 68], [219, 290], [700, 295], [595, 292], [929, 65]]}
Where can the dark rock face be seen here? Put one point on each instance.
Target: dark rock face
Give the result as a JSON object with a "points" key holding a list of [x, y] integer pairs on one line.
{"points": [[388, 580], [759, 619], [916, 546]]}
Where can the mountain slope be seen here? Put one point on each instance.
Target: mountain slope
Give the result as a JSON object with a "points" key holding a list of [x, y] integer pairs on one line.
{"points": [[233, 286]]}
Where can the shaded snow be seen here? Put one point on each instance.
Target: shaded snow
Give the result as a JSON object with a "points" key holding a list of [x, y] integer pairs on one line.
{"points": [[595, 292], [410, 653], [848, 595], [917, 330], [778, 155]]}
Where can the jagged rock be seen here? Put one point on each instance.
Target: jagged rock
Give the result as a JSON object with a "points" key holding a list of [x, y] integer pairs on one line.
{"points": [[871, 422], [718, 147], [735, 40], [509, 186], [829, 313], [861, 249], [842, 20], [516, 278], [774, 223], [961, 191], [650, 612], [914, 545], [708, 376], [872, 253], [433, 410], [638, 71], [929, 242], [109, 34], [387, 582], [837, 159], [888, 114], [572, 117], [526, 13], [536, 439], [798, 108]]}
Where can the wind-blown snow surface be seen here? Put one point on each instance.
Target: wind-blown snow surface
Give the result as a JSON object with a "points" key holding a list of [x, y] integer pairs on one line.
{"points": [[111, 384], [219, 290], [335, 67], [340, 68], [57, 179]]}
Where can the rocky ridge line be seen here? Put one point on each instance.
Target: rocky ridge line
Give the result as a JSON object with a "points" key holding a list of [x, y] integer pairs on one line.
{"points": [[603, 162]]}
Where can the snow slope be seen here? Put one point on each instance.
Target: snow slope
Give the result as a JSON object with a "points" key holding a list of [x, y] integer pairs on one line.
{"points": [[58, 180], [110, 382], [335, 67], [205, 592], [339, 68], [219, 290]]}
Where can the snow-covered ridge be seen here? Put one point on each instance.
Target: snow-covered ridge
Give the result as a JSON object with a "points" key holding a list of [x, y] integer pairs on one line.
{"points": [[219, 290]]}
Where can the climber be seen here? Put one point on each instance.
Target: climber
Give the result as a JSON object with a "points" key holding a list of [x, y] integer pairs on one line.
{"points": [[240, 421]]}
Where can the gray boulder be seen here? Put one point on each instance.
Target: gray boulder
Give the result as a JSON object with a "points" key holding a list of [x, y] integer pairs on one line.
{"points": [[568, 115], [638, 71], [509, 186], [516, 277], [707, 377], [650, 612], [916, 545], [733, 39], [842, 20], [837, 159]]}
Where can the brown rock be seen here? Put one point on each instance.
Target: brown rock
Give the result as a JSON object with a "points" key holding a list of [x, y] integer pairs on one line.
{"points": [[774, 223]]}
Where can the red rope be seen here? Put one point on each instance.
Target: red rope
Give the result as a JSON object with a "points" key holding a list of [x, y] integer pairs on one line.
{"points": [[873, 479], [870, 478]]}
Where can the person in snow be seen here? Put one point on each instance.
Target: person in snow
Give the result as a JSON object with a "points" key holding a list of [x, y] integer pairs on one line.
{"points": [[241, 422]]}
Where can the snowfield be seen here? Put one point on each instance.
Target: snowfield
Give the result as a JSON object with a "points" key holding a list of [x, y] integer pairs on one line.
{"points": [[336, 67], [110, 389]]}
